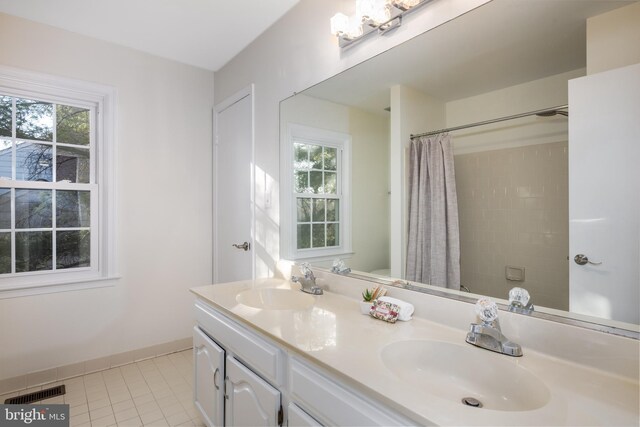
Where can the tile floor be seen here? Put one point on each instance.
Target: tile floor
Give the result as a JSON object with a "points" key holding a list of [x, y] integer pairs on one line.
{"points": [[152, 392]]}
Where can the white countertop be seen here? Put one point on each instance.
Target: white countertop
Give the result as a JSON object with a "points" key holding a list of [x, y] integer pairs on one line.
{"points": [[335, 335]]}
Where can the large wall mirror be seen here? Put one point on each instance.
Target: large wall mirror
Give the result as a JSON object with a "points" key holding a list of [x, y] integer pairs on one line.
{"points": [[347, 158]]}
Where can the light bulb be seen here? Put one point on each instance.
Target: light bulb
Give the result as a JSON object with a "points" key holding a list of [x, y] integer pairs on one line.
{"points": [[339, 24], [407, 4], [376, 10]]}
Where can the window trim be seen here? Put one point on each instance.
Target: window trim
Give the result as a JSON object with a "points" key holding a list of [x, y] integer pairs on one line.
{"points": [[312, 135], [29, 84]]}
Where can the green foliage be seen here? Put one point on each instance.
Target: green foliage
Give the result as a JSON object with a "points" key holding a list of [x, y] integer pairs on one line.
{"points": [[367, 295]]}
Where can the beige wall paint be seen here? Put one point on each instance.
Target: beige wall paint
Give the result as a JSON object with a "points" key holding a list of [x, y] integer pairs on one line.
{"points": [[370, 190], [613, 39], [163, 175]]}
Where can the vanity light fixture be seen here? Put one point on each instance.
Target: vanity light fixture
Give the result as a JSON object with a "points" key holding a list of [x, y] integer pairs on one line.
{"points": [[381, 16]]}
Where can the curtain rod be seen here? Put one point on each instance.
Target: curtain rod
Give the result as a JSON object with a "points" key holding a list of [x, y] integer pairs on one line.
{"points": [[501, 119]]}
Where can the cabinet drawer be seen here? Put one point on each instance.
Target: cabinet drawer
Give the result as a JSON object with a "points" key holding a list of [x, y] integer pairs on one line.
{"points": [[253, 350], [334, 405]]}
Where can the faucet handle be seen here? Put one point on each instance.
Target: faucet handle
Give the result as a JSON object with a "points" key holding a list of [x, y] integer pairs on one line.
{"points": [[519, 297], [487, 310], [305, 269]]}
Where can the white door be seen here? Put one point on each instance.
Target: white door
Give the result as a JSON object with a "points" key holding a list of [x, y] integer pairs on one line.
{"points": [[208, 392], [250, 400], [604, 194], [233, 208]]}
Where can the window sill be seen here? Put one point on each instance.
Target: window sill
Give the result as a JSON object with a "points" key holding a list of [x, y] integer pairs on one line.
{"points": [[57, 286], [320, 258]]}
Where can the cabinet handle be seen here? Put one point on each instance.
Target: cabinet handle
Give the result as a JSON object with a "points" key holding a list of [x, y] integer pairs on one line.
{"points": [[215, 378]]}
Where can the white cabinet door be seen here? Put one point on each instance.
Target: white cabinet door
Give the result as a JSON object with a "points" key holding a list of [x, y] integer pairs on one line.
{"points": [[208, 389], [250, 401], [299, 418], [604, 194]]}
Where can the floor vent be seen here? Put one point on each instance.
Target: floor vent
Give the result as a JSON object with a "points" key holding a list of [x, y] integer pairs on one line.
{"points": [[36, 396]]}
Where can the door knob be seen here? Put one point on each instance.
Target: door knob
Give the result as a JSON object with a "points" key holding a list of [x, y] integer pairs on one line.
{"points": [[244, 246], [582, 259]]}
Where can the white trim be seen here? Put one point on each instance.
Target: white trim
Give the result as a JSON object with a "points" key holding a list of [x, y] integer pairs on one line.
{"points": [[248, 91], [18, 82], [287, 212]]}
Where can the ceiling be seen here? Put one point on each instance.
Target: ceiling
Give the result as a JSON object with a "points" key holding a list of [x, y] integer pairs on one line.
{"points": [[500, 44], [203, 33]]}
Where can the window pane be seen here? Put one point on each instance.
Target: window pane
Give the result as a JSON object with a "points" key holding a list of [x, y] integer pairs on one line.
{"points": [[72, 249], [33, 208], [72, 165], [333, 209], [315, 181], [302, 182], [5, 253], [304, 236], [332, 235], [330, 158], [5, 116], [300, 155], [34, 162], [315, 155], [72, 208], [72, 125], [318, 210], [6, 155], [34, 119], [318, 236], [5, 208], [33, 251], [330, 182], [304, 210]]}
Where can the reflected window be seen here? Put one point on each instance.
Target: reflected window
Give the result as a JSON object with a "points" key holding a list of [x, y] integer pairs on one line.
{"points": [[320, 194]]}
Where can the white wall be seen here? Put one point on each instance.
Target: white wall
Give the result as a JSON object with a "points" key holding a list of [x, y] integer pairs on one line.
{"points": [[613, 39], [295, 53], [163, 198]]}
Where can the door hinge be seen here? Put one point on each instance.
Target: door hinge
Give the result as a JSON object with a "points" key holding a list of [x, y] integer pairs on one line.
{"points": [[280, 416]]}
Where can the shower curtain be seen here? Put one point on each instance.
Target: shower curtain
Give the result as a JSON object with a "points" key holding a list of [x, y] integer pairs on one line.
{"points": [[433, 248]]}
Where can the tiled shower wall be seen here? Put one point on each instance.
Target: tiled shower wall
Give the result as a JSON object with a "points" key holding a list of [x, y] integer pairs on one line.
{"points": [[513, 211]]}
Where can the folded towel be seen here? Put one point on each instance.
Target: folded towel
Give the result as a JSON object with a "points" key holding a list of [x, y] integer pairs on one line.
{"points": [[406, 309]]}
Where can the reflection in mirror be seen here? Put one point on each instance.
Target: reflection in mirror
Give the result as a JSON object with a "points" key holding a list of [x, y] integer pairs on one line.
{"points": [[511, 179]]}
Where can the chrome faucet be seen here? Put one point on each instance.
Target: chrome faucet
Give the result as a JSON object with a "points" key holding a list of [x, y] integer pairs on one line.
{"points": [[308, 281], [488, 334]]}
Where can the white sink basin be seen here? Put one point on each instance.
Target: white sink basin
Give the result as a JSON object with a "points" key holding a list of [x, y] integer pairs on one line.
{"points": [[453, 372], [275, 299]]}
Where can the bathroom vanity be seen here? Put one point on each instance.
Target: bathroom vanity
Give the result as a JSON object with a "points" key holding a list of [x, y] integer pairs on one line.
{"points": [[267, 354]]}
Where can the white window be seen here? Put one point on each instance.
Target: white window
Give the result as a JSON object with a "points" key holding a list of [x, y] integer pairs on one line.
{"points": [[318, 193], [56, 189]]}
